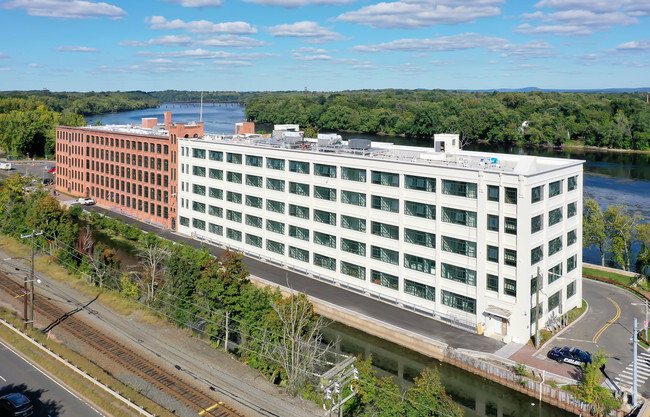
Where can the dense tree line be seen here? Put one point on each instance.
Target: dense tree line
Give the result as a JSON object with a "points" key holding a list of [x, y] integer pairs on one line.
{"points": [[609, 120]]}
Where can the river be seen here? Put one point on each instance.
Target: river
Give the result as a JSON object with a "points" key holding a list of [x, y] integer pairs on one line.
{"points": [[609, 178]]}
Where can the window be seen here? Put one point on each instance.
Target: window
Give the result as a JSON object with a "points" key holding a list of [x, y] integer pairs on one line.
{"points": [[554, 246], [216, 156], [353, 223], [254, 180], [510, 287], [418, 237], [325, 170], [299, 211], [326, 217], [554, 300], [196, 153], [533, 313], [426, 211], [385, 178], [274, 184], [493, 222], [275, 247], [384, 230], [536, 223], [215, 211], [325, 262], [466, 218], [572, 184], [275, 227], [215, 229], [459, 246], [459, 302], [510, 225], [353, 246], [235, 177], [254, 161], [198, 171], [510, 257], [198, 224], [571, 289], [385, 203], [233, 216], [492, 282], [197, 206], [571, 237], [555, 273], [571, 209], [325, 239], [299, 188], [253, 240], [385, 280], [254, 221], [353, 174], [273, 163], [233, 158], [184, 221], [536, 255], [420, 183], [356, 199], [198, 189], [253, 201], [493, 253], [299, 167], [459, 274], [571, 263], [536, 194], [353, 270], [275, 206], [233, 197], [325, 193], [459, 188], [384, 255], [555, 216], [418, 263], [555, 188], [299, 232], [299, 254], [419, 290], [511, 195], [493, 192]]}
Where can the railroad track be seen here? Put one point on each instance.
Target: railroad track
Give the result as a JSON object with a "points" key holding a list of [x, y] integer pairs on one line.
{"points": [[120, 354]]}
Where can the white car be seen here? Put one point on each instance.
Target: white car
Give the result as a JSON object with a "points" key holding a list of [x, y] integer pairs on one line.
{"points": [[85, 201]]}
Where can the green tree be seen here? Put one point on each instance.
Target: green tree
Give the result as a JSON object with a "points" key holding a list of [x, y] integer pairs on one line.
{"points": [[594, 231], [643, 257], [427, 397], [621, 228], [589, 389]]}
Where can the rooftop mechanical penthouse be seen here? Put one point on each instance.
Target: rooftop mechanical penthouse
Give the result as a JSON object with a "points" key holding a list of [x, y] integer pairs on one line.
{"points": [[456, 235], [129, 169]]}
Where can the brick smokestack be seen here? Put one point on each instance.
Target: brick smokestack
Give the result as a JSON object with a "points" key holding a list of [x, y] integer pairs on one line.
{"points": [[168, 119]]}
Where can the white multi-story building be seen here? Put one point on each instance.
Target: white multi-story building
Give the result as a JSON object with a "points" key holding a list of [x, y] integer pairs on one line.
{"points": [[453, 234]]}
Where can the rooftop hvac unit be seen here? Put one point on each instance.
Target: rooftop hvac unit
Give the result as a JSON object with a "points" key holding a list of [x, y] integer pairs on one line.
{"points": [[361, 144]]}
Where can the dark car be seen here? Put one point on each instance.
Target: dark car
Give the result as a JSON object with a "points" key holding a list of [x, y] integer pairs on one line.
{"points": [[571, 355], [16, 404]]}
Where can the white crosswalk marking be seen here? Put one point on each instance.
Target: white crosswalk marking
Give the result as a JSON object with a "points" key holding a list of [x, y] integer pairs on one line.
{"points": [[642, 370]]}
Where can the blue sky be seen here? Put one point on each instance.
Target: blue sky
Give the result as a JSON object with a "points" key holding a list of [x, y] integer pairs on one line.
{"points": [[323, 45]]}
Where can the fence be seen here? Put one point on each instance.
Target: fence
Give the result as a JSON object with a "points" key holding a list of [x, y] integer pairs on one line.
{"points": [[501, 375]]}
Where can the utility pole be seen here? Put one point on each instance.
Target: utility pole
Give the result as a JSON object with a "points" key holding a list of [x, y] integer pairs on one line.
{"points": [[634, 366], [30, 321], [334, 381], [539, 285]]}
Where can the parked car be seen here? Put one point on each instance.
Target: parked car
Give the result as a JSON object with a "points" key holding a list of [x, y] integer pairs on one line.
{"points": [[52, 170], [571, 355], [16, 404], [5, 166], [85, 201]]}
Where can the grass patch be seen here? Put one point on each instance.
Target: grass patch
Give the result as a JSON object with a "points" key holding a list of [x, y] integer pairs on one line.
{"points": [[621, 279], [94, 394], [13, 247], [574, 313]]}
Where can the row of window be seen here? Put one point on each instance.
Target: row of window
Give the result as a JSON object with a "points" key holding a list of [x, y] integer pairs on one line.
{"points": [[555, 216], [553, 301], [554, 189], [554, 246]]}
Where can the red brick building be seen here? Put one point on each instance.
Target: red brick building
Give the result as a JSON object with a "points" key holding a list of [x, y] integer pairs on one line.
{"points": [[129, 169]]}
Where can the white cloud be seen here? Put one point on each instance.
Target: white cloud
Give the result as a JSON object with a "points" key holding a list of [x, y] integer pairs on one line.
{"points": [[234, 63], [591, 5], [309, 32], [144, 69], [3, 55], [307, 50], [203, 54], [6, 69], [416, 14], [66, 9], [446, 43], [636, 64], [297, 3], [589, 59], [407, 68], [634, 46], [223, 41], [528, 50], [197, 3], [76, 49], [555, 30], [199, 26], [34, 65]]}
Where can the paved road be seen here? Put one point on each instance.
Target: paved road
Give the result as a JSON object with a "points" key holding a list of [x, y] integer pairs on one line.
{"points": [[50, 399], [608, 325], [38, 169]]}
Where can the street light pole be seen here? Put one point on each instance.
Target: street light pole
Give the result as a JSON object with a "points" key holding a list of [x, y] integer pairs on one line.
{"points": [[30, 321], [634, 391]]}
